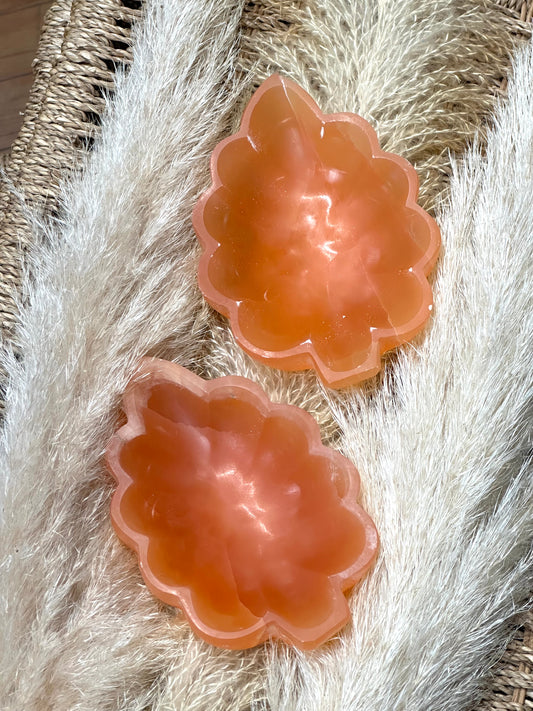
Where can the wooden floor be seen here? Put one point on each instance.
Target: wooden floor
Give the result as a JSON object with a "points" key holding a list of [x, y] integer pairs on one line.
{"points": [[20, 24]]}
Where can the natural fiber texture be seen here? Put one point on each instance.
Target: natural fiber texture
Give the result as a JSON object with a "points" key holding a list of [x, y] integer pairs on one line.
{"points": [[81, 45], [432, 474], [412, 114], [510, 685], [521, 8]]}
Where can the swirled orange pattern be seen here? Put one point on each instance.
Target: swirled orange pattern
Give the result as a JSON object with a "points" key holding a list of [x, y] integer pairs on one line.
{"points": [[239, 515], [313, 244]]}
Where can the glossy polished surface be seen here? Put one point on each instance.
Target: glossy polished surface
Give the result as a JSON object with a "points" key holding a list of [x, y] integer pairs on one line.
{"points": [[240, 516], [314, 246]]}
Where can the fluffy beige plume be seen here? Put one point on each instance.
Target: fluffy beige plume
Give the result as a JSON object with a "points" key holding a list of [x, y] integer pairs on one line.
{"points": [[113, 281], [444, 447], [439, 441]]}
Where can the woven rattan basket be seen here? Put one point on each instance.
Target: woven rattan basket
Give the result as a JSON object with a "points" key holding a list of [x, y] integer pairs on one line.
{"points": [[82, 43]]}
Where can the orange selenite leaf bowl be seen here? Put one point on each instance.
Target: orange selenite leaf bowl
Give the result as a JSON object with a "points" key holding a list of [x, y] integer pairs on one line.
{"points": [[313, 244], [238, 513]]}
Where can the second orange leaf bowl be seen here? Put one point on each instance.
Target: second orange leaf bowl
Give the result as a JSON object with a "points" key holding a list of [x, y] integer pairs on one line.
{"points": [[238, 513], [313, 244]]}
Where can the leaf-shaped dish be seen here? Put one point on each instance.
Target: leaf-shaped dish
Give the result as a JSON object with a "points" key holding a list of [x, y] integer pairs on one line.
{"points": [[313, 244], [239, 515]]}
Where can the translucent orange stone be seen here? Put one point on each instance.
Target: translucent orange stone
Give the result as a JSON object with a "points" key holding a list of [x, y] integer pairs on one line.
{"points": [[238, 513], [313, 244]]}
